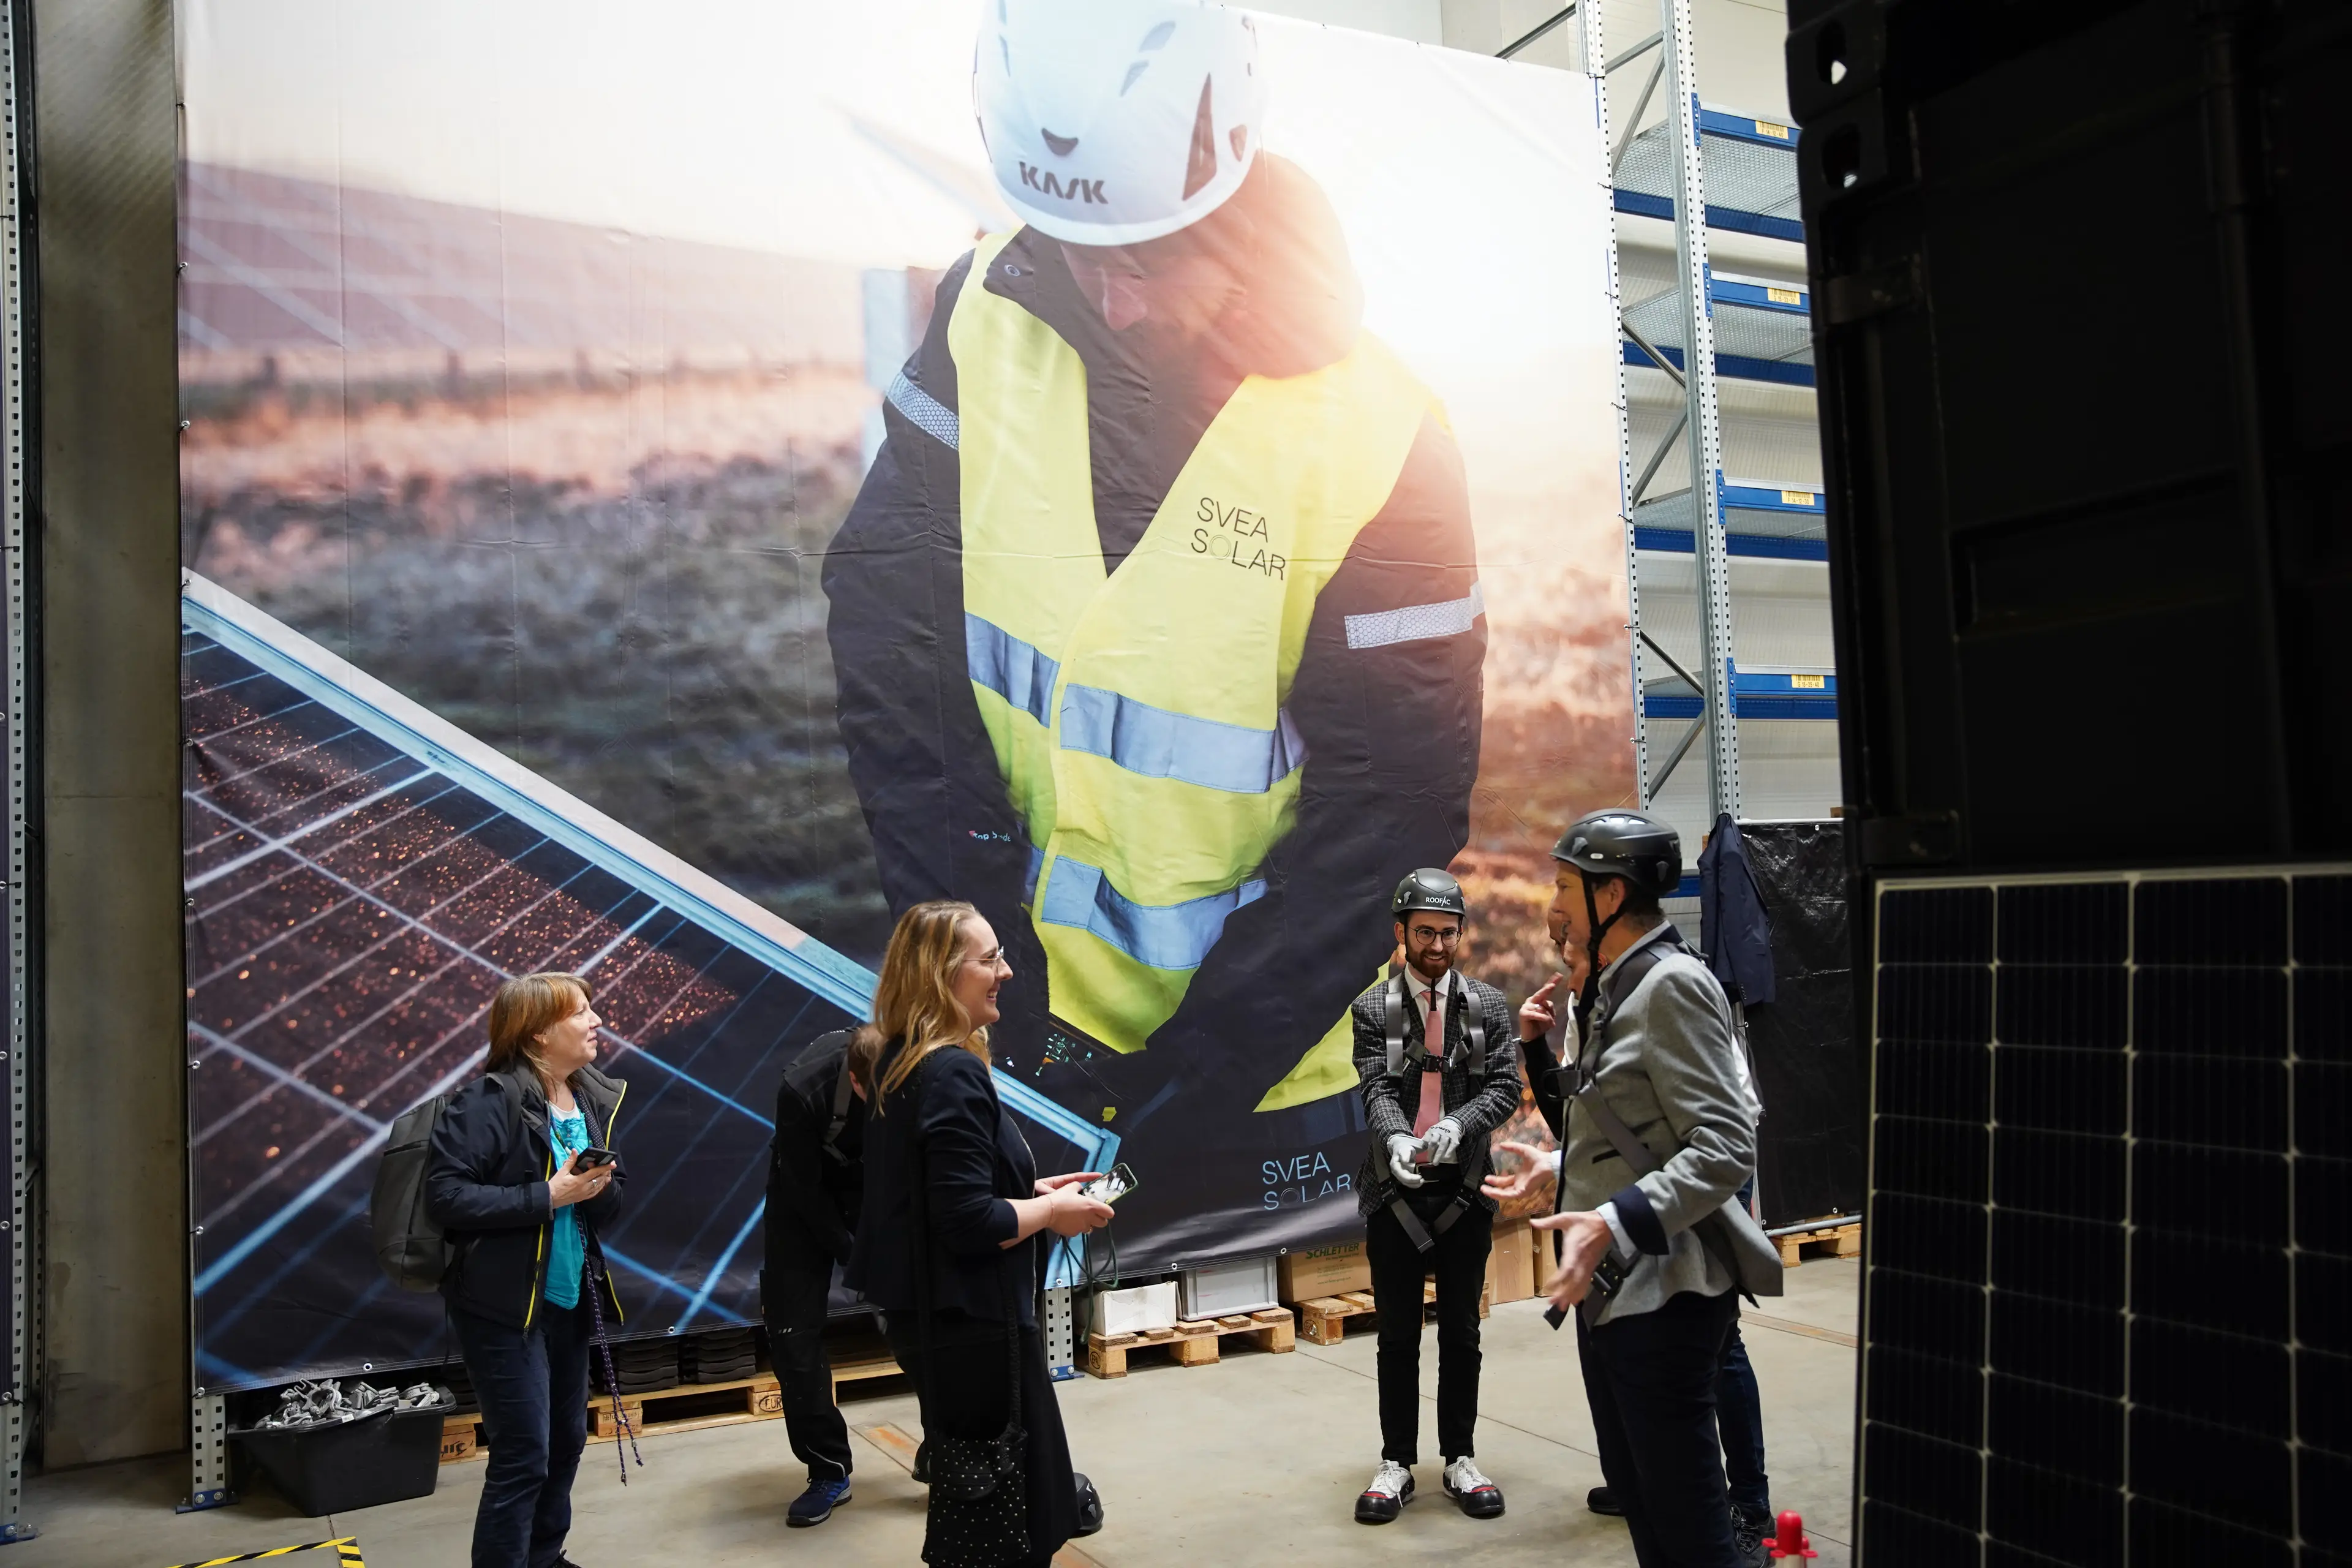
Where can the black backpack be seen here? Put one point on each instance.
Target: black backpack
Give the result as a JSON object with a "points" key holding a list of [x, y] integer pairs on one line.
{"points": [[409, 1246]]}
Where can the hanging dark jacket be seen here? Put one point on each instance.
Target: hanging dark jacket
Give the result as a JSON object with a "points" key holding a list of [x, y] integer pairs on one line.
{"points": [[1390, 724], [1734, 928], [487, 1186]]}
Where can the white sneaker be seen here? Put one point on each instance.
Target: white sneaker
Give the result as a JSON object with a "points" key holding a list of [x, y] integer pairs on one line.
{"points": [[1381, 1501], [1479, 1498]]}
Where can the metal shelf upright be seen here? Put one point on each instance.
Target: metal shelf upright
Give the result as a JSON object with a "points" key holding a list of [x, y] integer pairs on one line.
{"points": [[1739, 174], [19, 720]]}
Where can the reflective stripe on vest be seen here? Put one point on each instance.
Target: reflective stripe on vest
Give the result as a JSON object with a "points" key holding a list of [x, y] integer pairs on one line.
{"points": [[1136, 717]]}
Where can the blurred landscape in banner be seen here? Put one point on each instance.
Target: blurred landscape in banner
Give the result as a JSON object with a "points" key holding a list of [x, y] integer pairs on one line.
{"points": [[566, 487]]}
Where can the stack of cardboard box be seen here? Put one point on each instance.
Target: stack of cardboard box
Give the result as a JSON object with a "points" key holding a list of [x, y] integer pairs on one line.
{"points": [[1514, 1268]]}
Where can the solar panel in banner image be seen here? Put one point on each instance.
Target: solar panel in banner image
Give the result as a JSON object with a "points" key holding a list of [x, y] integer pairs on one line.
{"points": [[351, 909], [2106, 1316]]}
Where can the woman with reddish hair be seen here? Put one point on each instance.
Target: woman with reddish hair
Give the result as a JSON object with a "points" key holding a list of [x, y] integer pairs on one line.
{"points": [[507, 1183]]}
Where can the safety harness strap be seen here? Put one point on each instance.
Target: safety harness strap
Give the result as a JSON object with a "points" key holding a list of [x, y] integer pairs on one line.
{"points": [[1422, 1236], [1458, 996]]}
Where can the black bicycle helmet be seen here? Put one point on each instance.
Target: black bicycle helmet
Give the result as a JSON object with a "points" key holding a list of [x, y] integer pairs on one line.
{"points": [[1616, 843], [1429, 889], [1620, 843]]}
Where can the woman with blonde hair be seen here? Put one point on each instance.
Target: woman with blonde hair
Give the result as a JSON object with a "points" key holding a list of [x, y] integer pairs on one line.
{"points": [[947, 1247], [521, 1178]]}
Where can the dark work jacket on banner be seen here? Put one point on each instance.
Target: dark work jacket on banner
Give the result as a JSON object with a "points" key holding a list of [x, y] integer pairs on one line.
{"points": [[1391, 732], [812, 1198], [1734, 927]]}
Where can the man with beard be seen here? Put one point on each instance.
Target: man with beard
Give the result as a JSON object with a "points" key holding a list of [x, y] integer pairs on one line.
{"points": [[1157, 623], [1440, 1068]]}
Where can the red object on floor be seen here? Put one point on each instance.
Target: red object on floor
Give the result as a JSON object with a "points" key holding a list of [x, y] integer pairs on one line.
{"points": [[1790, 1541]]}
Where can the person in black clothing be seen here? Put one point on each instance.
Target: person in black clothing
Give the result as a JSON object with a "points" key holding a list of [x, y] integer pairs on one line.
{"points": [[946, 1243], [504, 1182], [816, 1180], [1431, 1113], [1385, 706]]}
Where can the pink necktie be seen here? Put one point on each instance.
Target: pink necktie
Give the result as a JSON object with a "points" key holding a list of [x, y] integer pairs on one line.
{"points": [[1432, 1084]]}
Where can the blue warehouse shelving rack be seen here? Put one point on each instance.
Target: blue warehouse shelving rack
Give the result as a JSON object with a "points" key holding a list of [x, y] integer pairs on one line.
{"points": [[1686, 522]]}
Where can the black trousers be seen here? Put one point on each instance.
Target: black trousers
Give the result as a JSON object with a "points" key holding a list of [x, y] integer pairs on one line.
{"points": [[1650, 1380], [795, 1291], [1459, 1261], [968, 1396], [533, 1386], [1740, 1413]]}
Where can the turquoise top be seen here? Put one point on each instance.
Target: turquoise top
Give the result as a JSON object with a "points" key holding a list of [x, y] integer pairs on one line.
{"points": [[565, 1256]]}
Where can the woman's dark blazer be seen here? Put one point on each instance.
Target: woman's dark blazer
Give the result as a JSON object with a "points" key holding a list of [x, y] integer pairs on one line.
{"points": [[974, 1163]]}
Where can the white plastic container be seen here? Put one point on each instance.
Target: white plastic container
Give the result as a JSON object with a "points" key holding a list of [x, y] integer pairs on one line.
{"points": [[1247, 1285], [1136, 1309]]}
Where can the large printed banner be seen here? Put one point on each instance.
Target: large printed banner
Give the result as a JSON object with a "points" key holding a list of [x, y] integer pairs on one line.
{"points": [[667, 490]]}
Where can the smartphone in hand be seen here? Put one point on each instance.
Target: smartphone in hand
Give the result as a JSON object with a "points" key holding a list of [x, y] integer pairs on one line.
{"points": [[589, 1159], [1112, 1187]]}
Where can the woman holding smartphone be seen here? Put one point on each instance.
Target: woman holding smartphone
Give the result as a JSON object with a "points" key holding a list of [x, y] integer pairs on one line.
{"points": [[947, 1245], [521, 1178]]}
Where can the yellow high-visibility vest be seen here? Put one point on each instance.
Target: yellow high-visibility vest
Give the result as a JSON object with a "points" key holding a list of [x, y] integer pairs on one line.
{"points": [[1138, 716]]}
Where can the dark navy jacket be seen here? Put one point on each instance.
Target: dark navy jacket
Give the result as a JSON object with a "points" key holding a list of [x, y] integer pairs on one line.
{"points": [[1734, 926], [974, 1163], [486, 1186]]}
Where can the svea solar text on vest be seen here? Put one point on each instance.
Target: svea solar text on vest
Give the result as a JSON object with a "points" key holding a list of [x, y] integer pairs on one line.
{"points": [[1235, 523]]}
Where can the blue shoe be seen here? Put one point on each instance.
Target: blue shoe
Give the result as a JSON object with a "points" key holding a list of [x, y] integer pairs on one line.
{"points": [[815, 1505]]}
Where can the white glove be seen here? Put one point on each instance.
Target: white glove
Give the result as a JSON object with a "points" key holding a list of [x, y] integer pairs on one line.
{"points": [[1442, 1141], [1402, 1146]]}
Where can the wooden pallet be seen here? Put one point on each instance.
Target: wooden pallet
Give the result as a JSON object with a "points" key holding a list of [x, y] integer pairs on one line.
{"points": [[690, 1407], [858, 1364], [1830, 1241], [1324, 1320], [461, 1439], [1194, 1343]]}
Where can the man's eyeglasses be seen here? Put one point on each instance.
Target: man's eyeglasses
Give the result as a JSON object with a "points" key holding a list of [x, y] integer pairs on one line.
{"points": [[1431, 934]]}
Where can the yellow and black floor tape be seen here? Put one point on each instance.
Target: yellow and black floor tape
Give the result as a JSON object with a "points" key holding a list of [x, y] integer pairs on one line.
{"points": [[346, 1550]]}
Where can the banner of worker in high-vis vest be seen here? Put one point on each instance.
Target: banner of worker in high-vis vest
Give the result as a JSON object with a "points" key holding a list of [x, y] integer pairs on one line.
{"points": [[1145, 467]]}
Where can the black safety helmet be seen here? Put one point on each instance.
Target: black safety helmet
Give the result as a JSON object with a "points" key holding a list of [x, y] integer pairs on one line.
{"points": [[1620, 843], [1430, 889], [1616, 843]]}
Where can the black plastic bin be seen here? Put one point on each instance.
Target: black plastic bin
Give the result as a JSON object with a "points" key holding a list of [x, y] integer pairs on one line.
{"points": [[389, 1457]]}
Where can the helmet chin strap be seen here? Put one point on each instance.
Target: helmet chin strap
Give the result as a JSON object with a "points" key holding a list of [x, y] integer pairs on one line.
{"points": [[1596, 928]]}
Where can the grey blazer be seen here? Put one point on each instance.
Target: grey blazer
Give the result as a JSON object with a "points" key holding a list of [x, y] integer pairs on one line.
{"points": [[1670, 1070]]}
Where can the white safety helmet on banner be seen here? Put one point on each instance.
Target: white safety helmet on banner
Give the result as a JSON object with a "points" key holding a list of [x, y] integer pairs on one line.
{"points": [[1115, 122]]}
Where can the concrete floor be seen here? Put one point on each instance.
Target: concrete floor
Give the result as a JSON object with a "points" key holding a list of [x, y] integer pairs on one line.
{"points": [[1257, 1460]]}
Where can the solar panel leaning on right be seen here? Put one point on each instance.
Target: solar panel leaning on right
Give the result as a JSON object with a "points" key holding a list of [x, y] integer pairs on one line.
{"points": [[2107, 1316]]}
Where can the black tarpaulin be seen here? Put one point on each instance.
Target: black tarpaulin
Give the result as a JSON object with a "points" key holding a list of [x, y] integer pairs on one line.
{"points": [[1808, 1066]]}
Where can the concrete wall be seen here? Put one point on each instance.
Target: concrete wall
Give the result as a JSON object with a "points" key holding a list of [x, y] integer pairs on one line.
{"points": [[115, 1068]]}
